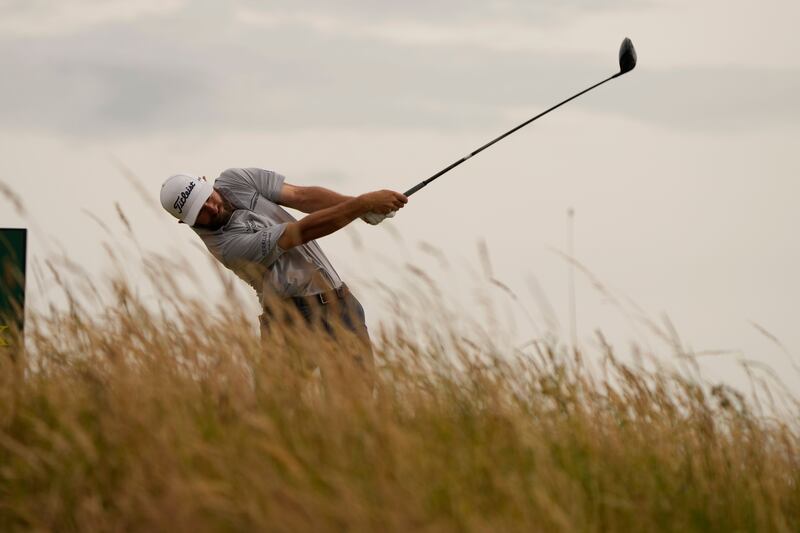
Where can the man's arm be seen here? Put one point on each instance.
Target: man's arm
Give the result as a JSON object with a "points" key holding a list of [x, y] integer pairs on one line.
{"points": [[327, 220], [310, 199]]}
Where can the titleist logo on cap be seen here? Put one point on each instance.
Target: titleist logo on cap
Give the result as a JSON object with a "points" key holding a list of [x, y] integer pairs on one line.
{"points": [[181, 201]]}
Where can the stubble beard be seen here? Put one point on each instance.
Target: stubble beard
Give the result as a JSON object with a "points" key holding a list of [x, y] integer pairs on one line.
{"points": [[222, 218]]}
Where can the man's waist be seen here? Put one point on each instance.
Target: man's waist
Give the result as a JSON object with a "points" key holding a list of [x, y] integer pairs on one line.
{"points": [[323, 297]]}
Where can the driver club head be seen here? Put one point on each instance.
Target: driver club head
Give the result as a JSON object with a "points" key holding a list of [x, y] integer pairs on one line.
{"points": [[627, 56]]}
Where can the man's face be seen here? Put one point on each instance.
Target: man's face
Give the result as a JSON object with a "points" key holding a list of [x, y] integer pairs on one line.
{"points": [[214, 212]]}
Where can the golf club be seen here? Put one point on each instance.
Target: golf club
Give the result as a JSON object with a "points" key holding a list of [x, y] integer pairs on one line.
{"points": [[627, 61]]}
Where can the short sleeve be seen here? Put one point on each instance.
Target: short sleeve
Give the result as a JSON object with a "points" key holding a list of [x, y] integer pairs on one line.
{"points": [[258, 247], [266, 182]]}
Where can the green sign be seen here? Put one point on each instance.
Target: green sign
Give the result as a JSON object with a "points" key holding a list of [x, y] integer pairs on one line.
{"points": [[13, 243]]}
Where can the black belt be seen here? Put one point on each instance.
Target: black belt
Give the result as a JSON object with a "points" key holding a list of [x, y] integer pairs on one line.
{"points": [[324, 298]]}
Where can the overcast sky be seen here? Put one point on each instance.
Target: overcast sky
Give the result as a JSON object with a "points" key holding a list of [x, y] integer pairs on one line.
{"points": [[683, 174]]}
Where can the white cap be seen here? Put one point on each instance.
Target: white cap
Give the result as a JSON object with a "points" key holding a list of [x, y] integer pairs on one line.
{"points": [[184, 195]]}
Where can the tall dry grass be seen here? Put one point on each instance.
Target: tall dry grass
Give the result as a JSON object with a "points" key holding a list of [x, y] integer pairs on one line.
{"points": [[173, 418]]}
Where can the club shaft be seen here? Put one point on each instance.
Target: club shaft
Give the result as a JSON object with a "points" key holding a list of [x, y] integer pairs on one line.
{"points": [[422, 184]]}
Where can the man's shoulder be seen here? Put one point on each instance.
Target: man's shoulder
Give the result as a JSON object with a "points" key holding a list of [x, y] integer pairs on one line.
{"points": [[245, 177], [246, 174], [232, 176], [248, 183], [237, 186]]}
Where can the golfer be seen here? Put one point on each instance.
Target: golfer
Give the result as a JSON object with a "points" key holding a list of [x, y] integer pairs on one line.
{"points": [[241, 222]]}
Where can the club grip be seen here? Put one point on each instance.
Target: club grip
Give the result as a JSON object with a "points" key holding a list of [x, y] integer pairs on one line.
{"points": [[415, 188]]}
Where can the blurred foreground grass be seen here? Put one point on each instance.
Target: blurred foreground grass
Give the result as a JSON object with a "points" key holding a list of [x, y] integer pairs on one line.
{"points": [[174, 419]]}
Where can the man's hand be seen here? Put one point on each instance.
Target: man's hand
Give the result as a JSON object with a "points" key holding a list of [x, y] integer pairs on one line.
{"points": [[382, 205], [376, 218], [383, 202]]}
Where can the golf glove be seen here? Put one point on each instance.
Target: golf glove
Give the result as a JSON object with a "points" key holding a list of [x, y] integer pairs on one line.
{"points": [[376, 218]]}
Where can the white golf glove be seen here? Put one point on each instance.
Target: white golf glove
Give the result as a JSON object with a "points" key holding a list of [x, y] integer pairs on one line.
{"points": [[376, 218]]}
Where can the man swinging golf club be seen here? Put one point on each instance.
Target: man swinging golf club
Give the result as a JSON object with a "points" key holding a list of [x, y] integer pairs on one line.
{"points": [[241, 221]]}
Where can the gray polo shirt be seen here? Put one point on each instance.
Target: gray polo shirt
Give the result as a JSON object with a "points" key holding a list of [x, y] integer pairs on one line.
{"points": [[248, 243]]}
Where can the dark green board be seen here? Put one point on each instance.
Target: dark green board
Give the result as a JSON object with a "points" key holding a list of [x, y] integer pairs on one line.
{"points": [[13, 244]]}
